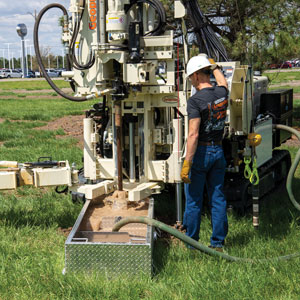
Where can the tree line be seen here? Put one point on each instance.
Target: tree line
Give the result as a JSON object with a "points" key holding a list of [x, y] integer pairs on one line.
{"points": [[255, 32]]}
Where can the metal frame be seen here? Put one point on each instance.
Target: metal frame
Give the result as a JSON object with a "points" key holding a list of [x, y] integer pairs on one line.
{"points": [[109, 258]]}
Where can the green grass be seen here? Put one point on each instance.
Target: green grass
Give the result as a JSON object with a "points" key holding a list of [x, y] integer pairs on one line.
{"points": [[28, 106], [43, 109], [22, 142], [296, 89], [285, 77], [32, 248], [279, 77], [29, 95], [31, 85]]}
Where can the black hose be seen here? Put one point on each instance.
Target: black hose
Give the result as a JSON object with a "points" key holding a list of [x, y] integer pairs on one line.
{"points": [[207, 41], [65, 190], [38, 54], [75, 63]]}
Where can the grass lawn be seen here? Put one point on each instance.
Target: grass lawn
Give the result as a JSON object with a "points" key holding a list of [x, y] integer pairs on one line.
{"points": [[284, 78], [31, 85], [280, 77], [32, 247]]}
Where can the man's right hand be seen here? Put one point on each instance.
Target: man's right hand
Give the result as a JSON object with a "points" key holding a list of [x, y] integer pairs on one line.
{"points": [[184, 174]]}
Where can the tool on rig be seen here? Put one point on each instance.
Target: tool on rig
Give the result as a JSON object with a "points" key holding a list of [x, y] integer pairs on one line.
{"points": [[130, 56]]}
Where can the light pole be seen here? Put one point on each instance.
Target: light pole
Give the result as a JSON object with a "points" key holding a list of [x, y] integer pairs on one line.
{"points": [[3, 58], [26, 56], [12, 60], [22, 32], [63, 58], [30, 56], [9, 66], [34, 15]]}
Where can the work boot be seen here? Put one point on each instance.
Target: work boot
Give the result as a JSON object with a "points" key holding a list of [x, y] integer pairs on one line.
{"points": [[219, 249]]}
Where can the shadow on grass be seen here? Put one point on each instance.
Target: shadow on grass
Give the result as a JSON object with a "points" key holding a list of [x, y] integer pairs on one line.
{"points": [[276, 213], [43, 210], [164, 211], [160, 253]]}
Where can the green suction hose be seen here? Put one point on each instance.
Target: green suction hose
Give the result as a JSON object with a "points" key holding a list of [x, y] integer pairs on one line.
{"points": [[293, 166], [210, 251], [193, 243]]}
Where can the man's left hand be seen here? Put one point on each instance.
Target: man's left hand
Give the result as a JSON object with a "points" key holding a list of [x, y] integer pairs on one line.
{"points": [[184, 174]]}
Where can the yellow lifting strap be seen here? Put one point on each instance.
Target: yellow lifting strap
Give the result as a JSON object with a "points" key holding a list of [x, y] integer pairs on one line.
{"points": [[252, 175], [254, 178], [247, 170]]}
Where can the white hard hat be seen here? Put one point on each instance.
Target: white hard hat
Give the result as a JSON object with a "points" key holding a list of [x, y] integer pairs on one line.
{"points": [[197, 63]]}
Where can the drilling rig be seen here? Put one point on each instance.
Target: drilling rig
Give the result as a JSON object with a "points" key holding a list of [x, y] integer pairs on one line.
{"points": [[129, 56]]}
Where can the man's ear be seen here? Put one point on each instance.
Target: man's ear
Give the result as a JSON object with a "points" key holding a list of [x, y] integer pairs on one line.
{"points": [[207, 71]]}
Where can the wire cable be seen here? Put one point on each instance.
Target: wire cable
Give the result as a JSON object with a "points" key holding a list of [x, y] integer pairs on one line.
{"points": [[206, 39]]}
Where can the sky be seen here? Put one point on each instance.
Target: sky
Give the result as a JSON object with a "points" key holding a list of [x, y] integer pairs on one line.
{"points": [[14, 12]]}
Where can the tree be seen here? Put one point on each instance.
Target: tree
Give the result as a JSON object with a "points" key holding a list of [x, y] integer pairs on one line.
{"points": [[255, 31]]}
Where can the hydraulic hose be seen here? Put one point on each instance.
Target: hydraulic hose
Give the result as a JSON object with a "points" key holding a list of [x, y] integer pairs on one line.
{"points": [[38, 54], [91, 60], [193, 243], [293, 166], [207, 40]]}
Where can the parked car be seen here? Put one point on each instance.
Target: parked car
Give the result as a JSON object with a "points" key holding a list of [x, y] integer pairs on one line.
{"points": [[3, 73], [30, 74], [59, 71], [13, 73], [286, 65], [52, 73], [297, 62], [274, 66]]}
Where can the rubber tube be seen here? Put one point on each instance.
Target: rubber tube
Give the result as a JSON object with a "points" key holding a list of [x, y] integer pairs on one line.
{"points": [[193, 243], [293, 166], [38, 54]]}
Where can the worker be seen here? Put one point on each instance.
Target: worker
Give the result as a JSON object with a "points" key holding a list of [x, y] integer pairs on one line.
{"points": [[204, 161]]}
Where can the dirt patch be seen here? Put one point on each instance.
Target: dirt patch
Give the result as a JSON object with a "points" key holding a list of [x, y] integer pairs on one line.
{"points": [[71, 125], [283, 70], [296, 96], [289, 83], [64, 231], [93, 219], [293, 141]]}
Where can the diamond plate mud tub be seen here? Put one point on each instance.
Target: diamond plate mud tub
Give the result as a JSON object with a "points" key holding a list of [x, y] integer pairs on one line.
{"points": [[92, 246]]}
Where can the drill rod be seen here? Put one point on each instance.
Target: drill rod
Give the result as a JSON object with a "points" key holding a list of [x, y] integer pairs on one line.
{"points": [[118, 123]]}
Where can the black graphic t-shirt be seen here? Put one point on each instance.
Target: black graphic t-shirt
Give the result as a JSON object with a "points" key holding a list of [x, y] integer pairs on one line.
{"points": [[210, 105]]}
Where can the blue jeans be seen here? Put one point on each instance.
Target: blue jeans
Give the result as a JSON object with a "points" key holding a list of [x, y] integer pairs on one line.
{"points": [[208, 168]]}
